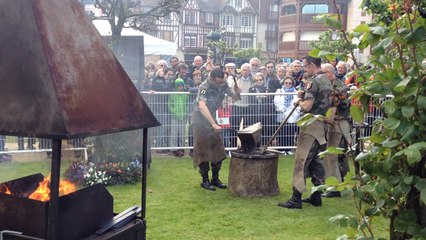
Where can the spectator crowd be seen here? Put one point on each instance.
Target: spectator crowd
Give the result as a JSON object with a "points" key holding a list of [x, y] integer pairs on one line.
{"points": [[268, 92]]}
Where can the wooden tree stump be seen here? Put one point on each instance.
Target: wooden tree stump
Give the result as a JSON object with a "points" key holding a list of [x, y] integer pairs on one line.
{"points": [[253, 175]]}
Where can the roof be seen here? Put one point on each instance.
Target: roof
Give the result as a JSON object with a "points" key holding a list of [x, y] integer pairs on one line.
{"points": [[211, 6]]}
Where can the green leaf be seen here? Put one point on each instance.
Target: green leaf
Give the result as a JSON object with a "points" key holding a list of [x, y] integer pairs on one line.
{"points": [[409, 134], [390, 107], [333, 23], [419, 146], [388, 164], [423, 196], [421, 102], [417, 36], [372, 211], [413, 156], [408, 180], [362, 156], [391, 144], [407, 111], [378, 50], [362, 28], [314, 52], [382, 31], [391, 123], [402, 85], [353, 222], [421, 184], [331, 181], [413, 229], [357, 113]]}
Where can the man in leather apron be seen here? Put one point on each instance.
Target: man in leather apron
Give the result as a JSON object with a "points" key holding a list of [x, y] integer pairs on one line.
{"points": [[311, 139], [208, 142]]}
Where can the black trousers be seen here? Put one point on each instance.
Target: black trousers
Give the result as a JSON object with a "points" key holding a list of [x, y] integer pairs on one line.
{"points": [[205, 167]]}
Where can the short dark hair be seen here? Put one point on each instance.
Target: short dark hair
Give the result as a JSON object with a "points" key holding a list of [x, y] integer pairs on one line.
{"points": [[314, 60], [216, 72], [181, 66]]}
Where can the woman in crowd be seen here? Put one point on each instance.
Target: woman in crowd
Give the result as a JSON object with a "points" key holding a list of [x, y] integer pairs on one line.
{"points": [[283, 105], [260, 107]]}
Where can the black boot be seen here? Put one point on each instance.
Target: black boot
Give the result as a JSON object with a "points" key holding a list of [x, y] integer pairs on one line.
{"points": [[205, 183], [294, 202], [216, 181], [331, 194], [315, 199]]}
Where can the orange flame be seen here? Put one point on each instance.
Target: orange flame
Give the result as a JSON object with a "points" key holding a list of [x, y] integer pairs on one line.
{"points": [[6, 190], [42, 193]]}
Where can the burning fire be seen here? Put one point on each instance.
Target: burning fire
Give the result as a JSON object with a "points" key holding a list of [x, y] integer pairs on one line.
{"points": [[42, 193], [5, 190]]}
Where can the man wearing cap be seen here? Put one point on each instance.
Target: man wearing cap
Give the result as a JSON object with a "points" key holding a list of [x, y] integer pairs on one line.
{"points": [[209, 150]]}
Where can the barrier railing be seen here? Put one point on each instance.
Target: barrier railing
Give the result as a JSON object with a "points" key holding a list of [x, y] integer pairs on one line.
{"points": [[175, 117]]}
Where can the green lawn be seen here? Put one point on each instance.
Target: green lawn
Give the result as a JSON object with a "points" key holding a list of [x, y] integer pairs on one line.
{"points": [[177, 208]]}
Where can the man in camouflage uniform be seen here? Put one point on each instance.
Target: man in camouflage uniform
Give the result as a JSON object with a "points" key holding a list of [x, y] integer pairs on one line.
{"points": [[339, 129], [208, 142], [311, 139]]}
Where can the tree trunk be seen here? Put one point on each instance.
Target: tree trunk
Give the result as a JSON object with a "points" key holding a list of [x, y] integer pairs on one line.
{"points": [[253, 175]]}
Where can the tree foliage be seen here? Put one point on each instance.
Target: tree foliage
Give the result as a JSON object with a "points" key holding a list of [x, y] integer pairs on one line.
{"points": [[247, 54], [330, 41], [134, 14], [222, 49], [393, 180]]}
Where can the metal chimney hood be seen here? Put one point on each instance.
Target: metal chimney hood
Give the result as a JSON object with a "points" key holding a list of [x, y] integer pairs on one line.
{"points": [[58, 79]]}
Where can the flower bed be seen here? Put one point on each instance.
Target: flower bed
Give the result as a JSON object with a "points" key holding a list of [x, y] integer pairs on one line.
{"points": [[88, 173]]}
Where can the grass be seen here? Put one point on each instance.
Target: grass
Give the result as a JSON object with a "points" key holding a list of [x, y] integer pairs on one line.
{"points": [[177, 208]]}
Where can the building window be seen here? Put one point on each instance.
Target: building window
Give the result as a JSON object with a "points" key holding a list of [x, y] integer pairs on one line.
{"points": [[190, 41], [315, 8], [363, 14], [238, 3], [166, 20], [209, 17], [246, 21], [288, 37], [273, 8], [246, 43], [190, 17], [228, 20], [288, 10], [229, 41]]}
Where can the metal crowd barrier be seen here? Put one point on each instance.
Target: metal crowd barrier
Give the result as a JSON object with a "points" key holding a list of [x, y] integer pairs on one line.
{"points": [[256, 107], [176, 133]]}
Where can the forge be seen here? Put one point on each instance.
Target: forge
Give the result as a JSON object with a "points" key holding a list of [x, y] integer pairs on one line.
{"points": [[80, 213], [61, 81]]}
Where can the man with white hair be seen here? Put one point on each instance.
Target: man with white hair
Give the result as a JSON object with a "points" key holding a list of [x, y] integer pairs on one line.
{"points": [[297, 74], [254, 65], [161, 64], [197, 64], [240, 109], [339, 129], [342, 69]]}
